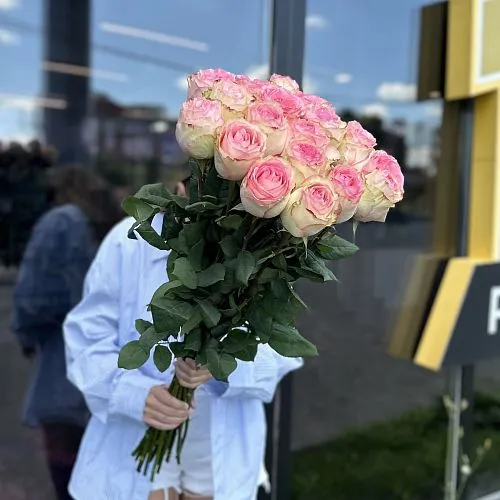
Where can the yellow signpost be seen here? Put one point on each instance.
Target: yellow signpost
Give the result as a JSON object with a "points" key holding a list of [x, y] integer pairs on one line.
{"points": [[451, 315], [472, 71]]}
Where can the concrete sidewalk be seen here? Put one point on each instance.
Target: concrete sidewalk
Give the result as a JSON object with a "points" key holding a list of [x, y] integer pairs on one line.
{"points": [[23, 474]]}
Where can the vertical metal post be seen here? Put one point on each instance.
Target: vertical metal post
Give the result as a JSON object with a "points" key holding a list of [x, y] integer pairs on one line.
{"points": [[287, 58], [461, 422], [66, 53]]}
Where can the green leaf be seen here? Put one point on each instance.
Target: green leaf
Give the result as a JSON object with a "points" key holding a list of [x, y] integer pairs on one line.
{"points": [[148, 234], [159, 195], [261, 323], [220, 365], [150, 338], [245, 266], [287, 341], [238, 340], [232, 221], [211, 315], [171, 225], [317, 265], [333, 247], [213, 274], [162, 357], [165, 289], [213, 183], [196, 253], [202, 206], [248, 353], [132, 356], [172, 257], [229, 246], [267, 275], [170, 314], [297, 297], [280, 289], [141, 325], [138, 209], [179, 349], [192, 340], [194, 320], [280, 262], [184, 272], [193, 232]]}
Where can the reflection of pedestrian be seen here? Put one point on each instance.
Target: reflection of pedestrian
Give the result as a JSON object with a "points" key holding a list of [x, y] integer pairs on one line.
{"points": [[58, 254]]}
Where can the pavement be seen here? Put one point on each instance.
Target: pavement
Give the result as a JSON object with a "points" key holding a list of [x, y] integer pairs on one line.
{"points": [[23, 474]]}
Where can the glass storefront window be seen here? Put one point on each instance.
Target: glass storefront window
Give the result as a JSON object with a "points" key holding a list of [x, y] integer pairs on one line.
{"points": [[354, 432]]}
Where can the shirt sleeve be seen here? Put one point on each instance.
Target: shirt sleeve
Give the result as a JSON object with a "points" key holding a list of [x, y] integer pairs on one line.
{"points": [[91, 333], [256, 379]]}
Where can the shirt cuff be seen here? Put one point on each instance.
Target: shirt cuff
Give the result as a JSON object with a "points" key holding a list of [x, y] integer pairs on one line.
{"points": [[130, 394], [216, 387]]}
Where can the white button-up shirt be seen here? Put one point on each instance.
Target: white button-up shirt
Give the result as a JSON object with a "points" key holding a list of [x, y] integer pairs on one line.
{"points": [[118, 287]]}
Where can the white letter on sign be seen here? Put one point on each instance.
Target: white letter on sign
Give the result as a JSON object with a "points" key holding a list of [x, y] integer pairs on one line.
{"points": [[494, 310]]}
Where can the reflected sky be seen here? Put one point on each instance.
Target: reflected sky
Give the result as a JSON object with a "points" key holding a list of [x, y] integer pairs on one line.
{"points": [[359, 53]]}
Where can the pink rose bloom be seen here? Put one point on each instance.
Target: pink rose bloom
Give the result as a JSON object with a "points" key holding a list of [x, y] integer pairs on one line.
{"points": [[332, 153], [238, 145], [290, 103], [311, 207], [269, 117], [356, 145], [311, 100], [326, 116], [307, 130], [197, 125], [252, 86], [384, 187], [267, 186], [307, 158], [284, 81], [234, 98], [349, 186], [204, 79]]}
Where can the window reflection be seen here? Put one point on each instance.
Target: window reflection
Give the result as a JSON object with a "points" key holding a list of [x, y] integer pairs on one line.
{"points": [[362, 56]]}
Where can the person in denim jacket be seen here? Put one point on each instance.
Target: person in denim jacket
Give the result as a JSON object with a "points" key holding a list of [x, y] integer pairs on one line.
{"points": [[49, 284]]}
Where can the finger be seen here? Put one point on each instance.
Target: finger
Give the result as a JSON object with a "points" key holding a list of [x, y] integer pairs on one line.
{"points": [[185, 369], [193, 380], [191, 363], [168, 411], [187, 383], [159, 425], [162, 417], [165, 398], [186, 378]]}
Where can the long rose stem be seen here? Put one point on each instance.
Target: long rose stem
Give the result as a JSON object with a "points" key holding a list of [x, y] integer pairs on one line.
{"points": [[156, 446]]}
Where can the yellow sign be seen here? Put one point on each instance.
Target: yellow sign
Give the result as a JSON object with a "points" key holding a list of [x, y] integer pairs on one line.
{"points": [[473, 70]]}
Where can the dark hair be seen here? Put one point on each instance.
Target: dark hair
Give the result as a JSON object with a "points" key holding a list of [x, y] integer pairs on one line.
{"points": [[89, 192]]}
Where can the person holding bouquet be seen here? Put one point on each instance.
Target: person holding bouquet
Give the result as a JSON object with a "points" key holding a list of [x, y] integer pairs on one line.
{"points": [[224, 451]]}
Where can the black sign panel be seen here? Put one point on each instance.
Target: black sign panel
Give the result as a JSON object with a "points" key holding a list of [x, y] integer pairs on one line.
{"points": [[477, 331]]}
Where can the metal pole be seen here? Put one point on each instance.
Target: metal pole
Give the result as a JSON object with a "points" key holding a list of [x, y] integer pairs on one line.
{"points": [[461, 421], [287, 58], [67, 76]]}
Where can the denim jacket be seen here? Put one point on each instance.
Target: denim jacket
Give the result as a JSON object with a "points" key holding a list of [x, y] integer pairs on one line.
{"points": [[49, 285]]}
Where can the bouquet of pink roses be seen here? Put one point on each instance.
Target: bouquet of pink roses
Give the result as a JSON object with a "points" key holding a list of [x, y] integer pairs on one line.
{"points": [[272, 171]]}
